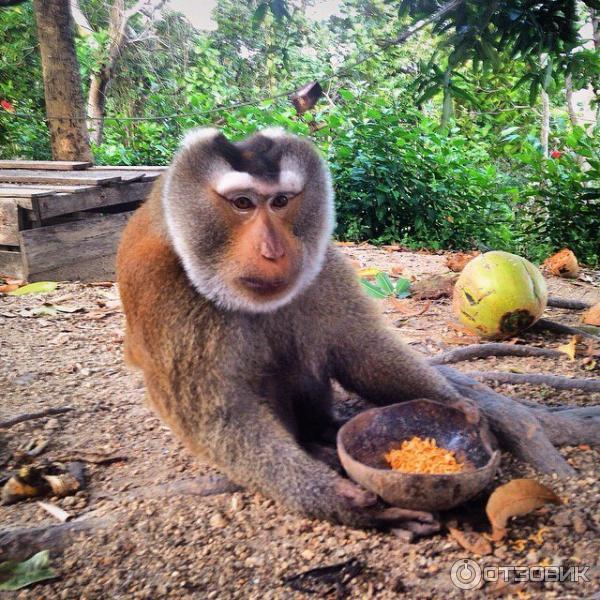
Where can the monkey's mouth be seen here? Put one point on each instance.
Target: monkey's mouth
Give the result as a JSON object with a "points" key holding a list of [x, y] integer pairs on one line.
{"points": [[263, 287]]}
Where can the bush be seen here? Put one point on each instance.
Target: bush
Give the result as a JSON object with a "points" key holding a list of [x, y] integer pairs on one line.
{"points": [[399, 177], [561, 199]]}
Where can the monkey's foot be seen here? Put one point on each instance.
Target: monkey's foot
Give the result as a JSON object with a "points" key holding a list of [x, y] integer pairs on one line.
{"points": [[417, 522]]}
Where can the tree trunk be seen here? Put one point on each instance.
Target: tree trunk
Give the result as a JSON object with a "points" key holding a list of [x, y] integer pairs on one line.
{"points": [[62, 82], [595, 28], [447, 105], [100, 79], [545, 123], [570, 104]]}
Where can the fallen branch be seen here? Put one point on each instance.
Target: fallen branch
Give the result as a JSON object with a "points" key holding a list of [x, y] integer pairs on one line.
{"points": [[529, 433], [492, 349], [36, 415], [547, 325], [555, 381], [568, 304], [21, 542]]}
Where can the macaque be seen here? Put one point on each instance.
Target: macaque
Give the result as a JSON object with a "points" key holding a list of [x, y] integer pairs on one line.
{"points": [[240, 313]]}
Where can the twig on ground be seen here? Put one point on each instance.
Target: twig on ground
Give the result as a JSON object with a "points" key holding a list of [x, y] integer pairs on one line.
{"points": [[547, 325], [530, 432], [555, 381], [492, 349], [568, 304], [21, 542], [35, 415]]}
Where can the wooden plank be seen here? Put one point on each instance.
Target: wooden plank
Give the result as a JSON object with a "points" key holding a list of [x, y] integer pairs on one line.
{"points": [[9, 222], [7, 189], [62, 204], [24, 192], [81, 250], [57, 177], [126, 177], [11, 264], [157, 168], [46, 165]]}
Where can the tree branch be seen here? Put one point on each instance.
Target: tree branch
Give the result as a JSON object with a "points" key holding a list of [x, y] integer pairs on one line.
{"points": [[36, 415], [556, 381], [569, 304], [492, 349]]}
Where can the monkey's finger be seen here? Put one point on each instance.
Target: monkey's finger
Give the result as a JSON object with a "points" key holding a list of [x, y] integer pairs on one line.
{"points": [[357, 496], [470, 409], [397, 515], [421, 528]]}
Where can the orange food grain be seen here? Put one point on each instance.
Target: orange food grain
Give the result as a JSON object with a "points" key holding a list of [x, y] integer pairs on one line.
{"points": [[419, 455]]}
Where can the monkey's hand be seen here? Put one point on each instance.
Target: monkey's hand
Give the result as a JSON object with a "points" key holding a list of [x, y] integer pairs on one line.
{"points": [[469, 408], [368, 511]]}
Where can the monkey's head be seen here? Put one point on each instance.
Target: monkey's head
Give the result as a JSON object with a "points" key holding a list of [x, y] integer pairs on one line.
{"points": [[250, 220]]}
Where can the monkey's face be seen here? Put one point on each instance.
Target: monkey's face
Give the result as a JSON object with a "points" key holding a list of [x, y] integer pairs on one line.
{"points": [[251, 220]]}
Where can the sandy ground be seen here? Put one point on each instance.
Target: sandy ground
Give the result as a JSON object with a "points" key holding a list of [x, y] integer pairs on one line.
{"points": [[242, 545]]}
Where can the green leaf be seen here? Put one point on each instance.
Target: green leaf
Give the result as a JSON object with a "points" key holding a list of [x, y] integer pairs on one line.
{"points": [[385, 283], [16, 575], [39, 287], [259, 15], [402, 288], [373, 290]]}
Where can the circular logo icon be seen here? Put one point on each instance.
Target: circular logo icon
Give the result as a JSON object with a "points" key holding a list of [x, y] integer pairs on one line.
{"points": [[465, 574]]}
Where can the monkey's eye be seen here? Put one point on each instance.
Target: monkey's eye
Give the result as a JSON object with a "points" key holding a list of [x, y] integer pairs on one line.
{"points": [[279, 201], [242, 203]]}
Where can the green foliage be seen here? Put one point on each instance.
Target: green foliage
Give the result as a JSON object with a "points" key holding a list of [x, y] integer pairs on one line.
{"points": [[399, 177], [383, 287], [478, 180], [560, 199], [16, 575]]}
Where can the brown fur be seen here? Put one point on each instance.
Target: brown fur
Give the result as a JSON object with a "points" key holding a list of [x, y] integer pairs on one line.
{"points": [[247, 391]]}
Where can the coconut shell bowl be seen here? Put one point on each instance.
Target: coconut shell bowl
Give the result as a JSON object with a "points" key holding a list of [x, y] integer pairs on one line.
{"points": [[364, 440]]}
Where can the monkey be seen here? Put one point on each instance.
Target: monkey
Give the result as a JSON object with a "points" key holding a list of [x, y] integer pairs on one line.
{"points": [[241, 312]]}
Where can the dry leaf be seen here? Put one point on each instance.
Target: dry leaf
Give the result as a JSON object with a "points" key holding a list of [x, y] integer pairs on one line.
{"points": [[16, 489], [434, 287], [368, 272], [515, 498], [563, 264], [349, 244], [592, 316], [456, 262], [12, 280], [62, 485], [453, 340], [471, 541], [407, 307], [461, 330], [570, 349], [56, 511], [8, 287], [397, 270], [393, 248]]}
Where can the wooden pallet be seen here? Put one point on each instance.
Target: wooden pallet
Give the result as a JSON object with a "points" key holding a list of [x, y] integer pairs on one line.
{"points": [[62, 220]]}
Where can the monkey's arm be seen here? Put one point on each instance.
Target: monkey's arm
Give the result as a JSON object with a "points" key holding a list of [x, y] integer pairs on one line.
{"points": [[370, 359], [239, 433]]}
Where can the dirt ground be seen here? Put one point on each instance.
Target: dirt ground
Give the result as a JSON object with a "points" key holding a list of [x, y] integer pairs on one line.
{"points": [[242, 545]]}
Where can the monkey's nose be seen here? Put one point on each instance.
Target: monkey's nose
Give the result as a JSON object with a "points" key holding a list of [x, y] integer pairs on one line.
{"points": [[272, 250]]}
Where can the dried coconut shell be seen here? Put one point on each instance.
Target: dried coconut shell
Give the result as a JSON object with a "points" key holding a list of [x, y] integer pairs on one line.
{"points": [[563, 264]]}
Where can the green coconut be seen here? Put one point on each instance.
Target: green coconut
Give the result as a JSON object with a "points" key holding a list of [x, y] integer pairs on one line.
{"points": [[499, 294]]}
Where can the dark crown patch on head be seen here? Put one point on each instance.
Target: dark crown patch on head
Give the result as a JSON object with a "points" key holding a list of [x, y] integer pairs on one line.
{"points": [[259, 155]]}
